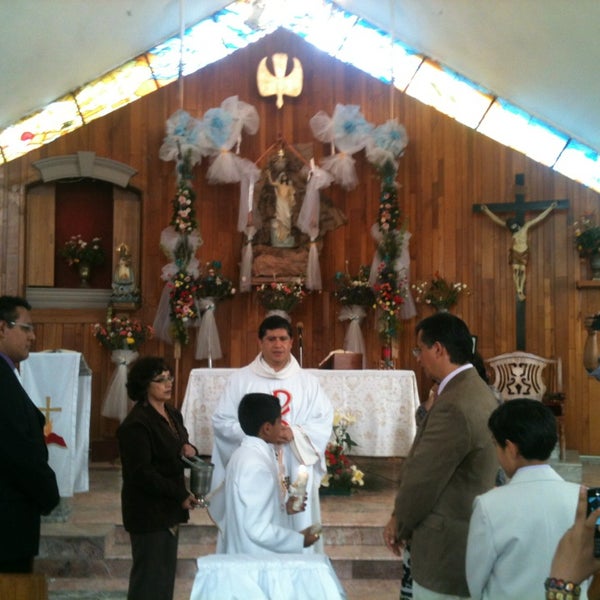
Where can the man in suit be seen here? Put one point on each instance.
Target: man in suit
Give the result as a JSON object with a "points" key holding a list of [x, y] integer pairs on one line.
{"points": [[452, 460], [519, 523], [28, 485]]}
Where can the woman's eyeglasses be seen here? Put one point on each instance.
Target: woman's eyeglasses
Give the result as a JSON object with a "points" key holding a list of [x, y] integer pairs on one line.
{"points": [[166, 379]]}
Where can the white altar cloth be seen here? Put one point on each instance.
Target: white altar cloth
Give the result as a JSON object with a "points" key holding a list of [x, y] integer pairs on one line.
{"points": [[383, 402], [60, 385], [283, 576]]}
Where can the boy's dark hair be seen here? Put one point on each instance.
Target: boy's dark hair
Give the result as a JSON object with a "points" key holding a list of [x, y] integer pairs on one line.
{"points": [[274, 322], [257, 409], [140, 376], [9, 305], [451, 332], [526, 423]]}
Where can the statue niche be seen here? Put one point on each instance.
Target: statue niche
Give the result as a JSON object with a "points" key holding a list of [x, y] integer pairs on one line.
{"points": [[280, 248]]}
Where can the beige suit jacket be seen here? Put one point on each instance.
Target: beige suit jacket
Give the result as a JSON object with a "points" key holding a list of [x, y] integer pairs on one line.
{"points": [[451, 461]]}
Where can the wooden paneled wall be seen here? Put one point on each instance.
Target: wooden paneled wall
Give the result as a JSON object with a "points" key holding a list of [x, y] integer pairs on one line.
{"points": [[445, 170]]}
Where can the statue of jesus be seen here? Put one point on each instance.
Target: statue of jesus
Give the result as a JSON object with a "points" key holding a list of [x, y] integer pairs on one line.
{"points": [[285, 201], [519, 251]]}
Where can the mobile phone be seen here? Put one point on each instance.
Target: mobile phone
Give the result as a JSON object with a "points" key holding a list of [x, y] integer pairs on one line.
{"points": [[593, 502]]}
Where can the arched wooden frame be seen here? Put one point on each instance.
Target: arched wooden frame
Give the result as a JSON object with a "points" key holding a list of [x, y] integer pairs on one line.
{"points": [[40, 243]]}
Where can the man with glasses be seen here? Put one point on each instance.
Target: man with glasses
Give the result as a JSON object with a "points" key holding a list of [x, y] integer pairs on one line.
{"points": [[452, 460], [28, 485]]}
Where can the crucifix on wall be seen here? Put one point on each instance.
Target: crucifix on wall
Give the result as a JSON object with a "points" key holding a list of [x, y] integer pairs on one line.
{"points": [[519, 229]]}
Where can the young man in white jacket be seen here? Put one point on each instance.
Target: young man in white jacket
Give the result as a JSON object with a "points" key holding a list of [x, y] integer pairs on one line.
{"points": [[514, 529]]}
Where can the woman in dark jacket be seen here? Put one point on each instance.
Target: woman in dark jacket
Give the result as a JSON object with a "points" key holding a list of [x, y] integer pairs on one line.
{"points": [[154, 497]]}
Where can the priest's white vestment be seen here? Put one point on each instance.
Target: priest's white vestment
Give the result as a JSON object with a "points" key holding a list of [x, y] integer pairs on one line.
{"points": [[304, 407]]}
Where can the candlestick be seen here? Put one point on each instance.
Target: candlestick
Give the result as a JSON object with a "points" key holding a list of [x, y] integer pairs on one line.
{"points": [[299, 487]]}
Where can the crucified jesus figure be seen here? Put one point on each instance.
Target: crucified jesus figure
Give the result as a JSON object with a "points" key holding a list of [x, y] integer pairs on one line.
{"points": [[519, 251]]}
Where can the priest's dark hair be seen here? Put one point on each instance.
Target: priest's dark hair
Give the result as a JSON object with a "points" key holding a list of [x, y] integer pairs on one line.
{"points": [[257, 409], [140, 376], [528, 424], [274, 322], [451, 332]]}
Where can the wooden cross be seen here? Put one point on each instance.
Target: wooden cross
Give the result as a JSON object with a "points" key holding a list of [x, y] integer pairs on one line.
{"points": [[519, 208]]}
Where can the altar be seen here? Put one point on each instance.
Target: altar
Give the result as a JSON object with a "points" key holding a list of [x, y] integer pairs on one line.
{"points": [[383, 402], [60, 384]]}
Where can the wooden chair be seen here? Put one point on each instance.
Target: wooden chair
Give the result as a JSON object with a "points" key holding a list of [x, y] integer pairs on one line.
{"points": [[524, 375]]}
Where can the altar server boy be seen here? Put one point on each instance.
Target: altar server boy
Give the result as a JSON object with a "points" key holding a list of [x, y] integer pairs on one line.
{"points": [[256, 498]]}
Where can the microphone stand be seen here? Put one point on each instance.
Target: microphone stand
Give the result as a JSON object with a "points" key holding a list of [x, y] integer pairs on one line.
{"points": [[300, 347]]}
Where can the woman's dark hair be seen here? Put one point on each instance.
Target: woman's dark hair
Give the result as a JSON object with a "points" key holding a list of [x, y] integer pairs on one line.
{"points": [[141, 374], [526, 423], [274, 322], [257, 409], [451, 332]]}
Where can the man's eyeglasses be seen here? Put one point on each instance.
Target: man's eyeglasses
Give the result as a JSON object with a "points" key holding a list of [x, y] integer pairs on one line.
{"points": [[26, 327], [416, 351], [167, 379]]}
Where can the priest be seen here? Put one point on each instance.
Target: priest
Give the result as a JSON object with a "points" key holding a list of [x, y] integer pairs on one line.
{"points": [[307, 417]]}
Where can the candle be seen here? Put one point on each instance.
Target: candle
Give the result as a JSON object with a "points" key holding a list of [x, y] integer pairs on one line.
{"points": [[299, 487]]}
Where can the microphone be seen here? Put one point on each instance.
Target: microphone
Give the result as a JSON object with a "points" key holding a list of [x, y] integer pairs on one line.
{"points": [[300, 328]]}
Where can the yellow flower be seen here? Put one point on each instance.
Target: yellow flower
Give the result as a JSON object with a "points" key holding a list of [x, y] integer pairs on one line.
{"points": [[357, 476], [325, 480]]}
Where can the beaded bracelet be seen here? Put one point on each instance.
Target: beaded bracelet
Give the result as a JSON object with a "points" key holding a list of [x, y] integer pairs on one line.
{"points": [[558, 589]]}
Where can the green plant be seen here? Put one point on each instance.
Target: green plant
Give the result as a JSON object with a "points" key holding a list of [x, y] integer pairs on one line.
{"points": [[587, 235], [354, 290], [438, 292], [212, 284], [281, 295]]}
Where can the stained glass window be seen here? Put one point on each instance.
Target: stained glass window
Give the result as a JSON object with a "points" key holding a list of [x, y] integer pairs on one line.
{"points": [[449, 93], [333, 30]]}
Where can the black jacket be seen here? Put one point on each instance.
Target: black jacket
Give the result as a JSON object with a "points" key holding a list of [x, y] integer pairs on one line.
{"points": [[153, 472], [28, 485]]}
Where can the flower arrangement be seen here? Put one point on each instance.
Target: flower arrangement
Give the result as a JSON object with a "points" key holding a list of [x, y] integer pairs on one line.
{"points": [[121, 333], [341, 474], [390, 291], [182, 293], [390, 286], [281, 295], [354, 290], [184, 215], [438, 292], [587, 235], [76, 250], [213, 285]]}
